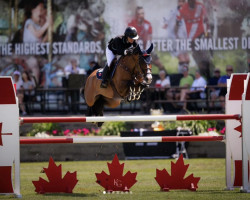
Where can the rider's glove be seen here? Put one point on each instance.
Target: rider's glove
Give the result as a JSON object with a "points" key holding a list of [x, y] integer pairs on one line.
{"points": [[128, 52]]}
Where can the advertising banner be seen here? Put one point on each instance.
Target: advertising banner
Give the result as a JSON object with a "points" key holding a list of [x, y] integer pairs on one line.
{"points": [[45, 36]]}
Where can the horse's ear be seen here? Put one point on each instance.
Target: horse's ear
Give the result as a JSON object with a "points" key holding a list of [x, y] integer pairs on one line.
{"points": [[150, 48]]}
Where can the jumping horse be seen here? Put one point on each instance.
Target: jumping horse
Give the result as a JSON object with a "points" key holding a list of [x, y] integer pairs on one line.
{"points": [[131, 75]]}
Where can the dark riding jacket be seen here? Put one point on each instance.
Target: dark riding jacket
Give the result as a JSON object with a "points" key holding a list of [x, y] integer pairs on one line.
{"points": [[119, 44]]}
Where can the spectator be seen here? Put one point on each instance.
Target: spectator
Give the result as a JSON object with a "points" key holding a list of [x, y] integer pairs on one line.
{"points": [[144, 30], [72, 68], [161, 85], [196, 91], [185, 83], [93, 66], [223, 83], [19, 90], [195, 17], [29, 86], [33, 30], [186, 80], [214, 92], [164, 80]]}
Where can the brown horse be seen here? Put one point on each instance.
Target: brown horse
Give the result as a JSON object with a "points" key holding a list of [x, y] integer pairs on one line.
{"points": [[132, 74]]}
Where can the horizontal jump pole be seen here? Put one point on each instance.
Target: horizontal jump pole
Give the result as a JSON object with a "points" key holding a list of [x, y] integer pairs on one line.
{"points": [[110, 139], [28, 120]]}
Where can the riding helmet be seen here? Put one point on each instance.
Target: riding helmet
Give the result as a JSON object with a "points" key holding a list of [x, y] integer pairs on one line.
{"points": [[131, 32]]}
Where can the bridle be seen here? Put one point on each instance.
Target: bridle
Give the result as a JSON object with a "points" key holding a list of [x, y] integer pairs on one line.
{"points": [[138, 77]]}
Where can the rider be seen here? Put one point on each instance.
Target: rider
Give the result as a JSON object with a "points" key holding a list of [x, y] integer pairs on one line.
{"points": [[120, 45]]}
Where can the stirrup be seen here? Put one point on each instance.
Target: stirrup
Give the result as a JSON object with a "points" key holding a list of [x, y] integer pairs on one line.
{"points": [[104, 84]]}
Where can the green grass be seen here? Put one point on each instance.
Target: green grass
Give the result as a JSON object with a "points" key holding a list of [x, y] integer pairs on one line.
{"points": [[211, 185]]}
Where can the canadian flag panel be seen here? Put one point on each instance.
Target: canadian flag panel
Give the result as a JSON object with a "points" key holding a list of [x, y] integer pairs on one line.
{"points": [[9, 133], [233, 106]]}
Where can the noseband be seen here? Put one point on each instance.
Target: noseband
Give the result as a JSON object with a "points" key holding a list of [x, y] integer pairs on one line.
{"points": [[148, 70]]}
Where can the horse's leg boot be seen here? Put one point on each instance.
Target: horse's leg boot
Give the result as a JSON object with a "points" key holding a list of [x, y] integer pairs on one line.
{"points": [[104, 83]]}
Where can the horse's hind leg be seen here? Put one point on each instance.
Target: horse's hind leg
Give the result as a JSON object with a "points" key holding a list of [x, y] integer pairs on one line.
{"points": [[98, 109], [92, 111]]}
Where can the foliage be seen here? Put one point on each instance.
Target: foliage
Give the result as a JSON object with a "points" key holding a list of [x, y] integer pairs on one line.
{"points": [[113, 128], [199, 126], [43, 127], [53, 129]]}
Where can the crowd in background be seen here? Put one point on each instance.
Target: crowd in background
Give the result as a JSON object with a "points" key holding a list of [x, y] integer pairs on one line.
{"points": [[190, 87]]}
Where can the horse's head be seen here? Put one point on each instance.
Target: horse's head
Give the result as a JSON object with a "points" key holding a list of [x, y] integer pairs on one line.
{"points": [[145, 64], [135, 71]]}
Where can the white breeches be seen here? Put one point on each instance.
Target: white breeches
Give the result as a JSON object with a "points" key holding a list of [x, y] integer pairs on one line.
{"points": [[109, 55]]}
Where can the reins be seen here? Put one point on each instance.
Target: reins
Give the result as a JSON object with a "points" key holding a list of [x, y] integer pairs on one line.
{"points": [[137, 77]]}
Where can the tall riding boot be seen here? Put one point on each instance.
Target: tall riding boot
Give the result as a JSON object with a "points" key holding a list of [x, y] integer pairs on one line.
{"points": [[105, 73]]}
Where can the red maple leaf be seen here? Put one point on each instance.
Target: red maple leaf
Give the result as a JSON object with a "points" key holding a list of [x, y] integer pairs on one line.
{"points": [[116, 181], [239, 129], [56, 183], [176, 180], [1, 141]]}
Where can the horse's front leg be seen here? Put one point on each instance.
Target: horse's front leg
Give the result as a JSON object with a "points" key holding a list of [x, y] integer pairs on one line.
{"points": [[135, 93], [139, 92]]}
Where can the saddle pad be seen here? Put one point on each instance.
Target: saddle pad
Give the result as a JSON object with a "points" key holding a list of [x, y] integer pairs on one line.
{"points": [[99, 74]]}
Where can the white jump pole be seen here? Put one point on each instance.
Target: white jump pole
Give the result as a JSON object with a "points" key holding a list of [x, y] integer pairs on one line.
{"points": [[111, 139], [131, 118]]}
